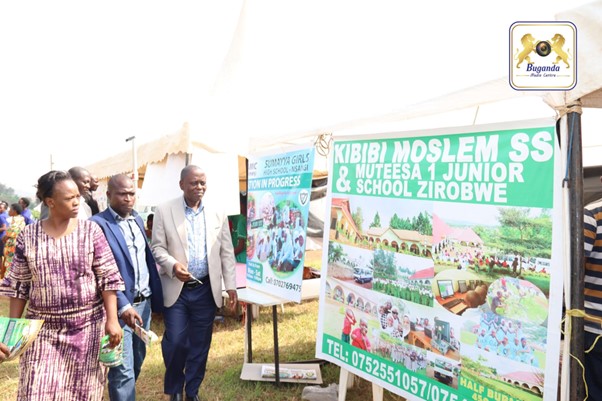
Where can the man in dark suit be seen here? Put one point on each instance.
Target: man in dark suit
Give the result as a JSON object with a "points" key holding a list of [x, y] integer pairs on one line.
{"points": [[125, 234], [193, 246]]}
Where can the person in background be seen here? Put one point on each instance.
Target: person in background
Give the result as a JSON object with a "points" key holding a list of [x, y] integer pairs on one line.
{"points": [[238, 230], [497, 302], [359, 336], [453, 341], [472, 301], [3, 227], [25, 202], [149, 226], [193, 246], [65, 272], [124, 230], [81, 177], [348, 322], [17, 223], [90, 199]]}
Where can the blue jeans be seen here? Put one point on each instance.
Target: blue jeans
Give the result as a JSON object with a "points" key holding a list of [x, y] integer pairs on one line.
{"points": [[122, 378]]}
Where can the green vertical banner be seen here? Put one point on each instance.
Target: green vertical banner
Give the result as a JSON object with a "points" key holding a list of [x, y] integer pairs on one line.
{"points": [[279, 191], [443, 276]]}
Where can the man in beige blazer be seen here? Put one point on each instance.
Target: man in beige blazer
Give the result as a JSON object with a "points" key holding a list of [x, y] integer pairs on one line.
{"points": [[193, 246]]}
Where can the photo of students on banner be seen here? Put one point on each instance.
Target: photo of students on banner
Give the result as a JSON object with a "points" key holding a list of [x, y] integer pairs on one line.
{"points": [[279, 240]]}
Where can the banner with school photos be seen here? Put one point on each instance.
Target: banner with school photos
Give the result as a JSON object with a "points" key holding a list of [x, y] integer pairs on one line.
{"points": [[443, 277], [279, 191]]}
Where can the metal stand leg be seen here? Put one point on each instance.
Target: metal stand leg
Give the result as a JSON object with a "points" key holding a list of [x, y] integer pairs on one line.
{"points": [[249, 319], [276, 356]]}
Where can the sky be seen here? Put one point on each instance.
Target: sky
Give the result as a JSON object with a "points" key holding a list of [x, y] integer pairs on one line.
{"points": [[78, 78]]}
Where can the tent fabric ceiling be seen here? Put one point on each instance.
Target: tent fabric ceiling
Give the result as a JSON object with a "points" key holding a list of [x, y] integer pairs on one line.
{"points": [[265, 134], [306, 97], [587, 18]]}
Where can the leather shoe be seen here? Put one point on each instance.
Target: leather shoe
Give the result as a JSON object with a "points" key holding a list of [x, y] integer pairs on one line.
{"points": [[195, 398], [176, 397]]}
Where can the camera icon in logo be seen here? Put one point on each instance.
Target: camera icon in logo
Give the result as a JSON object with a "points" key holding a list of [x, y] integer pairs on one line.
{"points": [[543, 48]]}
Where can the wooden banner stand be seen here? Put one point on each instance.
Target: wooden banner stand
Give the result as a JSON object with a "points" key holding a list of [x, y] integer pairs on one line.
{"points": [[346, 379]]}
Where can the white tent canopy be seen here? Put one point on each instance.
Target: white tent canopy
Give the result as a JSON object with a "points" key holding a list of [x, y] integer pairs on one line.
{"points": [[289, 79], [306, 68]]}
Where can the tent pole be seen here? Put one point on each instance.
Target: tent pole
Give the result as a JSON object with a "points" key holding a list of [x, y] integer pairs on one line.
{"points": [[577, 389]]}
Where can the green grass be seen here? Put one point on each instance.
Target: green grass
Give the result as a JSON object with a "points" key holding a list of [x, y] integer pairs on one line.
{"points": [[297, 328]]}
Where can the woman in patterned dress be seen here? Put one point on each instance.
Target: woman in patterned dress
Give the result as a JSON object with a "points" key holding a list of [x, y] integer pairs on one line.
{"points": [[17, 223], [66, 270]]}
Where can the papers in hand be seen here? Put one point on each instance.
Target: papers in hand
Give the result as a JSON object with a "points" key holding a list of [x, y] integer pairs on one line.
{"points": [[147, 336], [18, 334], [268, 371]]}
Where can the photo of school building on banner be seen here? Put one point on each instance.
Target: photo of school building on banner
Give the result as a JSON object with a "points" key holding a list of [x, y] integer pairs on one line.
{"points": [[279, 189], [443, 276]]}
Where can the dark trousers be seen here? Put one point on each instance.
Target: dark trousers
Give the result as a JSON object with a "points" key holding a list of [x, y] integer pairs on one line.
{"points": [[593, 367], [187, 338]]}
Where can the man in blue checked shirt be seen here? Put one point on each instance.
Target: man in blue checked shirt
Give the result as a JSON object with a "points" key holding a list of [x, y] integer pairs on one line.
{"points": [[125, 234]]}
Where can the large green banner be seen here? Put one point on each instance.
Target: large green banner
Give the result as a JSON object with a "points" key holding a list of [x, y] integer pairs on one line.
{"points": [[442, 279]]}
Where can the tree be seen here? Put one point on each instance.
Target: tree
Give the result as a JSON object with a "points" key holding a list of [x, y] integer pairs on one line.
{"points": [[423, 224], [8, 194], [383, 264], [358, 218], [524, 235], [335, 252], [376, 221], [398, 223]]}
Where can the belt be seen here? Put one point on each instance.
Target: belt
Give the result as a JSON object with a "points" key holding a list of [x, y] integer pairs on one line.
{"points": [[193, 283], [139, 298]]}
